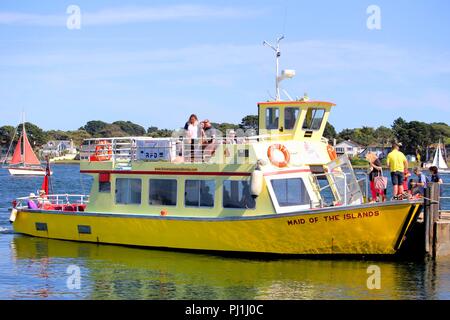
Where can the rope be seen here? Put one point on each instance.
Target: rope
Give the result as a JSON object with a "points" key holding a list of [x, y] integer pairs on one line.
{"points": [[10, 145], [432, 201]]}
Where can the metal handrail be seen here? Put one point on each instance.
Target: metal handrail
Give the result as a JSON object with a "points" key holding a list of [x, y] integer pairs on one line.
{"points": [[56, 199]]}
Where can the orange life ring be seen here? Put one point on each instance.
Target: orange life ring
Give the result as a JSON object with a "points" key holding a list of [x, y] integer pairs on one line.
{"points": [[331, 152], [103, 152], [284, 150]]}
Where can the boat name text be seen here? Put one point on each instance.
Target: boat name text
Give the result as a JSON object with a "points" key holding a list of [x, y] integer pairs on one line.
{"points": [[333, 218]]}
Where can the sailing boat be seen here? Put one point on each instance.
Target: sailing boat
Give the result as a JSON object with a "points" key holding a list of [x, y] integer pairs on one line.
{"points": [[24, 161], [439, 160]]}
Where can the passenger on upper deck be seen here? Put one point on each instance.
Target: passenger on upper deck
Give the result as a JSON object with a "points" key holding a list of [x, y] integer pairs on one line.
{"points": [[193, 133], [192, 127], [208, 132], [231, 137]]}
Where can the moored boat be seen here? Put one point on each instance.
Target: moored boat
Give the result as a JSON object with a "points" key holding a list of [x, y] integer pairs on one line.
{"points": [[282, 191], [24, 161], [439, 160]]}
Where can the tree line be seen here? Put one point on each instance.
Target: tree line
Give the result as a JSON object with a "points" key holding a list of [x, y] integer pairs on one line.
{"points": [[415, 136], [98, 129]]}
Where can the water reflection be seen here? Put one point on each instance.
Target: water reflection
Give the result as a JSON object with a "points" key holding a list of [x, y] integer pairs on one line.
{"points": [[114, 272]]}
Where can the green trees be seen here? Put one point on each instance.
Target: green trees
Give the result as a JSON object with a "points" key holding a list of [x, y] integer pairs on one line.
{"points": [[416, 136], [97, 129], [94, 127], [329, 132], [366, 136], [155, 132], [130, 128], [36, 135], [384, 135], [6, 134], [249, 122]]}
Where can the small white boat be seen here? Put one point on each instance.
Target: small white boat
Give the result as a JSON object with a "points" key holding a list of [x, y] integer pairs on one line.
{"points": [[439, 160], [24, 161]]}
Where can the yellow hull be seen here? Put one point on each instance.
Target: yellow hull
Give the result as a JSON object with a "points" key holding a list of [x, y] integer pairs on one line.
{"points": [[367, 229]]}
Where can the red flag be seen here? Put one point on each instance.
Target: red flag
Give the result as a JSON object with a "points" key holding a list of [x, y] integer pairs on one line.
{"points": [[46, 181]]}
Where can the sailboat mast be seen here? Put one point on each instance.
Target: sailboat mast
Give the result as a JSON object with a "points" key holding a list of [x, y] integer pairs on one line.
{"points": [[23, 137]]}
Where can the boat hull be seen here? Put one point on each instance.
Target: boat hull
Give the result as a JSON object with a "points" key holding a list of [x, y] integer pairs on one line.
{"points": [[26, 171], [367, 230]]}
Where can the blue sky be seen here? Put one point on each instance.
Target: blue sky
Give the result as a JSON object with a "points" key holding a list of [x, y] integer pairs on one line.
{"points": [[156, 62]]}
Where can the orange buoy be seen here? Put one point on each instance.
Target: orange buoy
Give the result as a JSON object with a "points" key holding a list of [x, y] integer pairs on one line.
{"points": [[284, 150], [331, 152]]}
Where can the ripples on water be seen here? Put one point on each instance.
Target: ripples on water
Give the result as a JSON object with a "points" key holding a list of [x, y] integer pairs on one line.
{"points": [[34, 268]]}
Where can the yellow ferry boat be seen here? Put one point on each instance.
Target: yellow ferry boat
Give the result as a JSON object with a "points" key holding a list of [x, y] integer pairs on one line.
{"points": [[282, 191]]}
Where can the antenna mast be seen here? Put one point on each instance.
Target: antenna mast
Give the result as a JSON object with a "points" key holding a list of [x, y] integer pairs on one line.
{"points": [[277, 57], [285, 74]]}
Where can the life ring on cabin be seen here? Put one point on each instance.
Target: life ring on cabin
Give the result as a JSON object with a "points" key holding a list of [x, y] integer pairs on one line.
{"points": [[284, 150], [103, 152], [331, 152]]}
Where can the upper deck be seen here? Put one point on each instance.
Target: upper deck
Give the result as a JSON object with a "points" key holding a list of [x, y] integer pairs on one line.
{"points": [[298, 125]]}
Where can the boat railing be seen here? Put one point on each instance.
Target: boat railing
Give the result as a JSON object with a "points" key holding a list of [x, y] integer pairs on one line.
{"points": [[55, 202], [122, 151], [364, 183], [341, 188]]}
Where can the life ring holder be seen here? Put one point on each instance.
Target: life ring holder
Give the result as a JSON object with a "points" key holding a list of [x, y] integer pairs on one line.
{"points": [[284, 150], [331, 152]]}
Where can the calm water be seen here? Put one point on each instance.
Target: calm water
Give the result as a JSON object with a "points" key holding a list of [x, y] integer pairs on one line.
{"points": [[32, 268]]}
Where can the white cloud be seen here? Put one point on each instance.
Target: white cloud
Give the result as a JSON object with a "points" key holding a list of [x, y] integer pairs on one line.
{"points": [[126, 15], [313, 59]]}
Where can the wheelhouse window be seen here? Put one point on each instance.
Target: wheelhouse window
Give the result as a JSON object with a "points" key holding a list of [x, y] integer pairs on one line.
{"points": [[128, 191], [313, 119], [237, 195], [199, 193], [290, 117], [290, 192], [272, 118], [163, 192]]}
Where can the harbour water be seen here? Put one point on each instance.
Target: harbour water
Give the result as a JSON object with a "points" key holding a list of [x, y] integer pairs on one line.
{"points": [[34, 268]]}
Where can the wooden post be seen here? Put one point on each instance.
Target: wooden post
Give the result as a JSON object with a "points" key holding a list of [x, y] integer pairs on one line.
{"points": [[431, 216], [426, 220], [434, 213]]}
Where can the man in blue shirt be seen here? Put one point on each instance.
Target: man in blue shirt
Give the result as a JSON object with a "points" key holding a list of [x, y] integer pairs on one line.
{"points": [[422, 180]]}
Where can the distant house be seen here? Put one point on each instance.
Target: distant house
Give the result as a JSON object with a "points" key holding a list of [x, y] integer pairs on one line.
{"points": [[380, 150], [58, 148], [350, 148]]}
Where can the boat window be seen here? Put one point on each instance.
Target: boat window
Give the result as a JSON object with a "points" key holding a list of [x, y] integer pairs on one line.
{"points": [[290, 192], [237, 195], [199, 193], [290, 117], [128, 191], [272, 116], [313, 119], [163, 192], [104, 187]]}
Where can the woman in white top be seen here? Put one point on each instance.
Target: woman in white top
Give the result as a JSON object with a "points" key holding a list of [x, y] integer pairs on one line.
{"points": [[192, 127], [193, 132]]}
